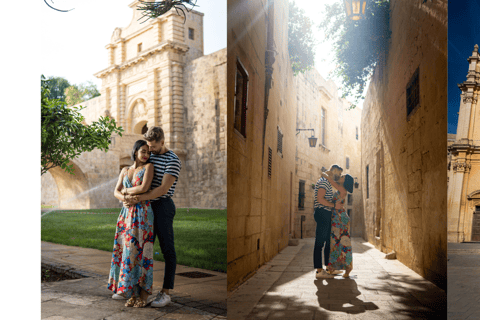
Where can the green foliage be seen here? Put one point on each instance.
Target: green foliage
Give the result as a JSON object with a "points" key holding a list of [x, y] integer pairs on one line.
{"points": [[79, 93], [358, 45], [200, 234], [64, 137], [57, 86], [301, 41]]}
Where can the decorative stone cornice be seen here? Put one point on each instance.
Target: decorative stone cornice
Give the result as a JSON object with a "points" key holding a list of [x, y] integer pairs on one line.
{"points": [[325, 93], [461, 166], [464, 145], [165, 45]]}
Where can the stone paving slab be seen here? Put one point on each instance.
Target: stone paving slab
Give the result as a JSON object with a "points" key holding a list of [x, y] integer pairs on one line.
{"points": [[89, 298], [463, 281], [377, 289]]}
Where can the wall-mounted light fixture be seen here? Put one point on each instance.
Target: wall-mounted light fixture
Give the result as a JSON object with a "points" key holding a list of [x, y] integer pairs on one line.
{"points": [[356, 183], [312, 141]]}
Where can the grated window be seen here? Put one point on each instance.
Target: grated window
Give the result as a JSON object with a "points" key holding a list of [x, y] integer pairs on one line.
{"points": [[269, 162], [413, 93]]}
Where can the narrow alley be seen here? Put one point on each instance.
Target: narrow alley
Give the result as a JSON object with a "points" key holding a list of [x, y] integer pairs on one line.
{"points": [[286, 288]]}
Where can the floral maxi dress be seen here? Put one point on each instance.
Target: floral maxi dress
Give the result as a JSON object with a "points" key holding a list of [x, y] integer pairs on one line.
{"points": [[132, 258], [340, 242]]}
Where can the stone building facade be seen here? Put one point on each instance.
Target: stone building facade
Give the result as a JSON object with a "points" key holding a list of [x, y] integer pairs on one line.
{"points": [[404, 127], [157, 75], [337, 128], [266, 158], [464, 161]]}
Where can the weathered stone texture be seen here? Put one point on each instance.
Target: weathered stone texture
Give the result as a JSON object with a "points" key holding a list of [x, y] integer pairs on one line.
{"points": [[205, 115], [405, 210], [259, 206]]}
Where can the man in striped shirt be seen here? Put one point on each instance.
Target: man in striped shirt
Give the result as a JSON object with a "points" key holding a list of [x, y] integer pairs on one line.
{"points": [[323, 206], [167, 167]]}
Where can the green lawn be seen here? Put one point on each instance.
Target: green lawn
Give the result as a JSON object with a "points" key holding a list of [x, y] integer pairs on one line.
{"points": [[200, 234]]}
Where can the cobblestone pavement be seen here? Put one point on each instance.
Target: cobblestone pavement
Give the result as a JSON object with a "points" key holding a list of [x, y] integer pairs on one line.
{"points": [[286, 288], [463, 281], [89, 298]]}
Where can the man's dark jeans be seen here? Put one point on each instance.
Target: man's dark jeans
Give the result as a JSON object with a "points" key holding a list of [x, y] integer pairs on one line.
{"points": [[164, 212], [323, 218]]}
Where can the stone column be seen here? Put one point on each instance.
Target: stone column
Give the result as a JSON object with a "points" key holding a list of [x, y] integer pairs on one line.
{"points": [[157, 31], [111, 54], [123, 105], [152, 98]]}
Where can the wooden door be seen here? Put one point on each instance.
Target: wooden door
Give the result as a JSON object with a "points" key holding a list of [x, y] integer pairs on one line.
{"points": [[476, 224]]}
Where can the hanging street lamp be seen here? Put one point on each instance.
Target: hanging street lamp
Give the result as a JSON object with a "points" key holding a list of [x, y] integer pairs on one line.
{"points": [[312, 141], [355, 9], [356, 183]]}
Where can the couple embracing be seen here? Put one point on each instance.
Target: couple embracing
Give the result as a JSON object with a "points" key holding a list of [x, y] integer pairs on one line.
{"points": [[146, 189], [333, 223]]}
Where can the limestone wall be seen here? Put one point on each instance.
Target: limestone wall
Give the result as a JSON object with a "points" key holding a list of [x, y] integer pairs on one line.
{"points": [[405, 210], [260, 188], [49, 190], [314, 94], [205, 113]]}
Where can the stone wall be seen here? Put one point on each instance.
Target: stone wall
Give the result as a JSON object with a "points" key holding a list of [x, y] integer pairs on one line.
{"points": [[205, 113], [405, 205], [259, 181], [49, 190], [314, 94]]}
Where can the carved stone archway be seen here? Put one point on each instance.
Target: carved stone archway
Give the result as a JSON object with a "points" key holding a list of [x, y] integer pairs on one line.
{"points": [[137, 113], [72, 188]]}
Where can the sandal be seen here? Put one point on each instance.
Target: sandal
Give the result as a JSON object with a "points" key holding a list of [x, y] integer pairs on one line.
{"points": [[131, 302], [140, 303]]}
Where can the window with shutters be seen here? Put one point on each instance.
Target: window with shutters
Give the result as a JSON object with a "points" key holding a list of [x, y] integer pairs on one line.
{"points": [[241, 98], [301, 195], [413, 93], [366, 173], [324, 124], [347, 163], [279, 141], [269, 162]]}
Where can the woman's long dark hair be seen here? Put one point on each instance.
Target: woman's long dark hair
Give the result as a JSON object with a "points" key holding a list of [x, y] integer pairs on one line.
{"points": [[348, 183], [138, 144]]}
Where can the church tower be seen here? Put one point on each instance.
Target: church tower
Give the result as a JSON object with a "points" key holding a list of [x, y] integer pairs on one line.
{"points": [[464, 161]]}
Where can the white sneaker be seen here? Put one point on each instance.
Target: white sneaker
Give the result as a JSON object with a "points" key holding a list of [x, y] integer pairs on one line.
{"points": [[118, 297], [161, 300], [323, 275]]}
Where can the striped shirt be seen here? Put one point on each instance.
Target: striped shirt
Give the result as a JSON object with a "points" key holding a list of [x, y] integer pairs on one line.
{"points": [[163, 164], [324, 184]]}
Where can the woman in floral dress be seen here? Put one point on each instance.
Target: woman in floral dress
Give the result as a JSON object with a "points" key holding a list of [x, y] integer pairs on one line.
{"points": [[340, 242], [131, 272]]}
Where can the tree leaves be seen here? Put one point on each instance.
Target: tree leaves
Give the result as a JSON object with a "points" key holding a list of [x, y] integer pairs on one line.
{"points": [[358, 45], [301, 41], [64, 137]]}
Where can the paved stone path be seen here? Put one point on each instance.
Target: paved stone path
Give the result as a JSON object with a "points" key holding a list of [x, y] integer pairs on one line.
{"points": [[285, 288], [89, 298], [463, 281]]}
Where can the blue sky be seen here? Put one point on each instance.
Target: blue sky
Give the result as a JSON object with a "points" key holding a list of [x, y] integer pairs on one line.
{"points": [[463, 34]]}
